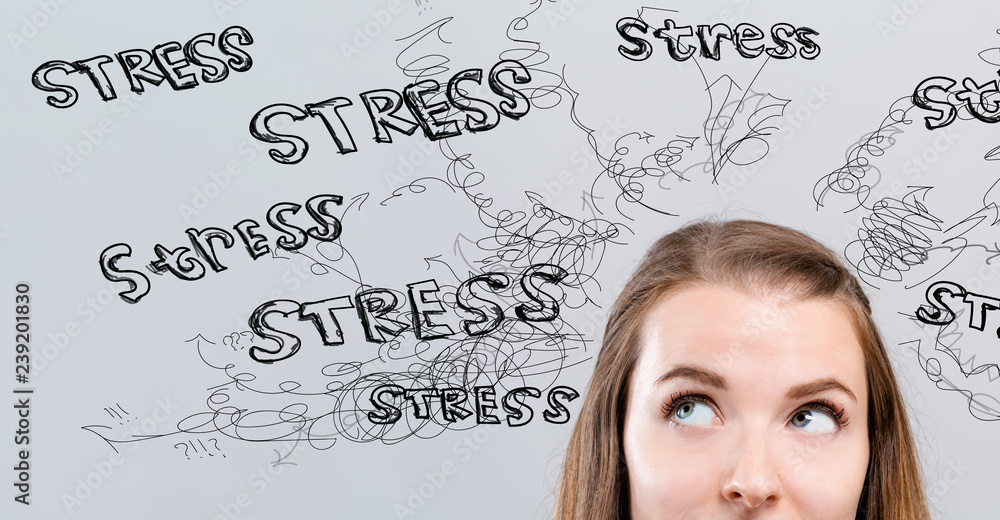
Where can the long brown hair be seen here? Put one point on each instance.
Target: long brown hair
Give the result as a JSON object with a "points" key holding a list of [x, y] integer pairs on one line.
{"points": [[750, 257]]}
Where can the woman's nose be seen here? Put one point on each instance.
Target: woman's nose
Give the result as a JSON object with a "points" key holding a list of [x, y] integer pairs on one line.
{"points": [[753, 479]]}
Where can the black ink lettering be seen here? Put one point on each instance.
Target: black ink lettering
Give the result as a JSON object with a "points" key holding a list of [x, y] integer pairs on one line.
{"points": [[980, 100], [946, 112], [202, 242], [485, 323], [979, 305], [672, 34], [387, 412], [783, 36], [434, 129], [181, 262], [219, 69], [334, 125], [294, 237], [488, 117], [745, 33], [136, 63], [810, 50], [260, 129], [939, 312], [138, 282], [643, 49], [178, 64], [557, 412], [518, 412], [322, 316], [715, 34], [515, 105], [382, 106], [424, 304], [288, 344], [451, 401], [256, 244], [485, 402], [238, 60], [548, 306], [94, 69], [41, 81], [171, 67], [421, 396], [373, 305], [329, 227]]}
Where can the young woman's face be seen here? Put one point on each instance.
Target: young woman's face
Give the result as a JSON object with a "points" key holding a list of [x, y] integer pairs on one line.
{"points": [[746, 408]]}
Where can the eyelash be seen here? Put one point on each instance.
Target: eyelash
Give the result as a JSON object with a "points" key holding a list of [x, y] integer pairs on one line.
{"points": [[676, 399], [831, 409]]}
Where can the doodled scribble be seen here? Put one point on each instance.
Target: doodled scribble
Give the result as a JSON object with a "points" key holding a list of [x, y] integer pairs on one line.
{"points": [[521, 237], [953, 368], [901, 240], [992, 56], [734, 124], [906, 239], [499, 374], [735, 132], [480, 336], [507, 355], [895, 237], [858, 176]]}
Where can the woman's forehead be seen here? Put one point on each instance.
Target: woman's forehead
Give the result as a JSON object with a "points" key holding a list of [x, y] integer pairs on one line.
{"points": [[742, 337]]}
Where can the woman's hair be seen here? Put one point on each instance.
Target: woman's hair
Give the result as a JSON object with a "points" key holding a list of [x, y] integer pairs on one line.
{"points": [[754, 258]]}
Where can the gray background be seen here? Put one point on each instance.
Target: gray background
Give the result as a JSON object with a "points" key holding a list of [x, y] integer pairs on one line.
{"points": [[162, 150]]}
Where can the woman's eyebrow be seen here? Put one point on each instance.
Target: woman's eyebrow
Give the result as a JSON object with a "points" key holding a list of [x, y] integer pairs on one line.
{"points": [[700, 375], [820, 385]]}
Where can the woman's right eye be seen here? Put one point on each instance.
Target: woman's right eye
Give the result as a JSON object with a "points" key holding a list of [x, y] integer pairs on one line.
{"points": [[693, 413]]}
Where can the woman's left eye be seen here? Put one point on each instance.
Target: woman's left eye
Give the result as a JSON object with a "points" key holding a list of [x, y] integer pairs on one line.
{"points": [[813, 421]]}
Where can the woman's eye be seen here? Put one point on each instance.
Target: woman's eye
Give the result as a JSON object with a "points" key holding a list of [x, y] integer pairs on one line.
{"points": [[813, 421], [693, 413]]}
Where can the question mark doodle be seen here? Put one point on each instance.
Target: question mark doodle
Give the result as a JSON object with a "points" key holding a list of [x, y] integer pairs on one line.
{"points": [[234, 338], [185, 449], [216, 441]]}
